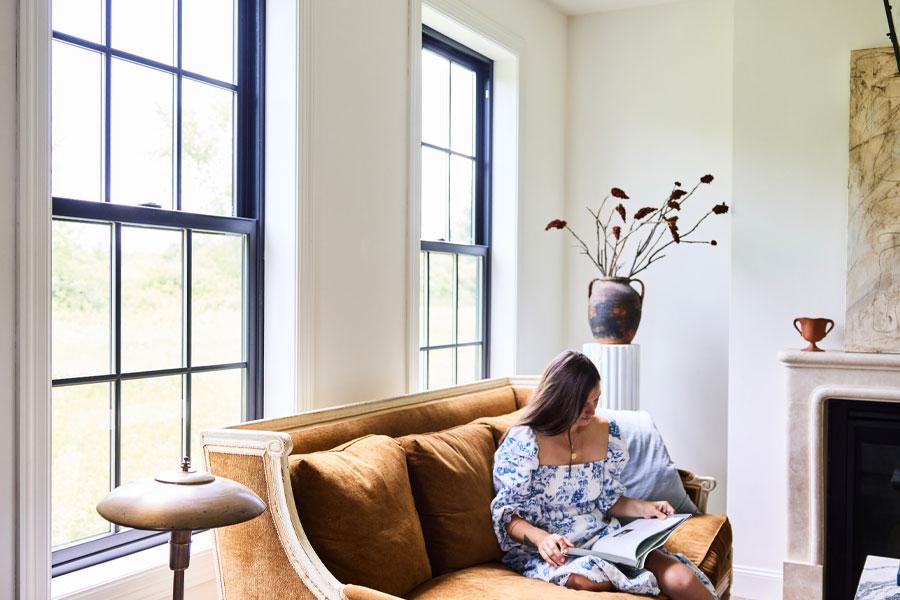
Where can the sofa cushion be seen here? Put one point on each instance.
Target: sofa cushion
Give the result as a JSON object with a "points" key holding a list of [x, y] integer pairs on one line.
{"points": [[500, 424], [650, 473], [706, 541], [450, 473], [523, 394], [356, 507], [358, 592], [418, 418], [493, 581]]}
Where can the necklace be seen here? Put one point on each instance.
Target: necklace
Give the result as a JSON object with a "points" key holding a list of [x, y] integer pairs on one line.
{"points": [[572, 454]]}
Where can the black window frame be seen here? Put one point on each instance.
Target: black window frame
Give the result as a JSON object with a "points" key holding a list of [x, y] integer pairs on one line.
{"points": [[248, 221], [483, 67]]}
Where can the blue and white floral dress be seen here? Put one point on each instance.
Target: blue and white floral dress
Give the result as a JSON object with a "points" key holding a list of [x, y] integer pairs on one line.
{"points": [[574, 504]]}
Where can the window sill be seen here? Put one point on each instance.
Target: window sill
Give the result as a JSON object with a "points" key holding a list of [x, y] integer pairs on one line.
{"points": [[142, 575]]}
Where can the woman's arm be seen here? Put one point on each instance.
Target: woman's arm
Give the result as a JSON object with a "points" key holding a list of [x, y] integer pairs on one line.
{"points": [[550, 545], [647, 509]]}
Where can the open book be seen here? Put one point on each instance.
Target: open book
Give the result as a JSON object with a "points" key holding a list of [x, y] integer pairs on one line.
{"points": [[631, 544]]}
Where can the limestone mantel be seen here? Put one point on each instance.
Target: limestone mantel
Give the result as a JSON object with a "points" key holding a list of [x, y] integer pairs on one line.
{"points": [[813, 378]]}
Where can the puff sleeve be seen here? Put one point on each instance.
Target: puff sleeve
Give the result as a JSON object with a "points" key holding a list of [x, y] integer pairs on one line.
{"points": [[514, 464], [616, 459]]}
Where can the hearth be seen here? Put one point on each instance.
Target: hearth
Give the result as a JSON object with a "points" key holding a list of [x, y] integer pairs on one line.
{"points": [[862, 506]]}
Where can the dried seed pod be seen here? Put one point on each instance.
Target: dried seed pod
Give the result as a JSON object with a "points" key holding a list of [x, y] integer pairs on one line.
{"points": [[643, 212], [555, 224], [673, 229]]}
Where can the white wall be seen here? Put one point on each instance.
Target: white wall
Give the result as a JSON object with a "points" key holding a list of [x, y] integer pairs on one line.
{"points": [[791, 92], [8, 170], [542, 80], [359, 177], [358, 171], [650, 102]]}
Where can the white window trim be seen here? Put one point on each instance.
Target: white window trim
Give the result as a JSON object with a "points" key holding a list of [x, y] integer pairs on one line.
{"points": [[33, 301], [290, 302], [459, 21]]}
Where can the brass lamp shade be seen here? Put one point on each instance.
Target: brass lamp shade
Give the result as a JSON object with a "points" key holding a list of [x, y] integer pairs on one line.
{"points": [[180, 500]]}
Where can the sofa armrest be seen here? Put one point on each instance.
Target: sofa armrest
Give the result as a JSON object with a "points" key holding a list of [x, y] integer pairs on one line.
{"points": [[697, 487], [269, 556]]}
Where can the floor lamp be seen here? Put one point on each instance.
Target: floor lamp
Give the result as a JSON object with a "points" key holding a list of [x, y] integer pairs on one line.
{"points": [[180, 501]]}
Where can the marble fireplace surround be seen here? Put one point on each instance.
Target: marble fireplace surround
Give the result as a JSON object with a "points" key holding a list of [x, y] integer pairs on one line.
{"points": [[813, 378]]}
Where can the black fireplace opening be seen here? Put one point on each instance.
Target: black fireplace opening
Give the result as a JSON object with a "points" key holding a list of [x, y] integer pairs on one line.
{"points": [[862, 498]]}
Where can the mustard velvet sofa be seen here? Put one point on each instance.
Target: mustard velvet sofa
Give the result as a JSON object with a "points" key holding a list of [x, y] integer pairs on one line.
{"points": [[390, 499]]}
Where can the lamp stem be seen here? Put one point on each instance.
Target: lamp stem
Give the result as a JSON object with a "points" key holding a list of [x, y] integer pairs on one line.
{"points": [[179, 559], [178, 586]]}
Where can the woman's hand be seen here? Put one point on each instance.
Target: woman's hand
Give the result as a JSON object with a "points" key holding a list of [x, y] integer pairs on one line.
{"points": [[634, 508], [552, 547], [656, 509], [549, 545]]}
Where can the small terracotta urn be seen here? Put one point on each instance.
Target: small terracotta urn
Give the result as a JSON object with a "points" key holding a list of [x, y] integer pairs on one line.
{"points": [[813, 330]]}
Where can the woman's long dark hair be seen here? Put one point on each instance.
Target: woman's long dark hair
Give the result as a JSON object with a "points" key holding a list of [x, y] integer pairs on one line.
{"points": [[560, 396]]}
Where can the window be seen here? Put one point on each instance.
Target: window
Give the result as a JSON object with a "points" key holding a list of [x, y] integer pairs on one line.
{"points": [[156, 251], [455, 244]]}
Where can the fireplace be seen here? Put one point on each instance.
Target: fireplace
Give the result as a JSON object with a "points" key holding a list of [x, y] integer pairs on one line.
{"points": [[862, 506], [819, 385]]}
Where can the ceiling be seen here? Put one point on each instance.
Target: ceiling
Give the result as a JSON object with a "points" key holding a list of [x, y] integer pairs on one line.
{"points": [[583, 7]]}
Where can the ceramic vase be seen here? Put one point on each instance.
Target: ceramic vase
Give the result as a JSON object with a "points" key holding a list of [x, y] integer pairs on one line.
{"points": [[614, 309]]}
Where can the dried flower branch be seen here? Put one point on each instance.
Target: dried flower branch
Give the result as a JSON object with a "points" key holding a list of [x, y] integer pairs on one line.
{"points": [[612, 242]]}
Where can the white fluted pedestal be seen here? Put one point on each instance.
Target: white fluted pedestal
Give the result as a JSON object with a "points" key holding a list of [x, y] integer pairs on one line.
{"points": [[620, 374]]}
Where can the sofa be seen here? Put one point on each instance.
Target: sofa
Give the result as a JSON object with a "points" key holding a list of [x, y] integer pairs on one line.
{"points": [[390, 499]]}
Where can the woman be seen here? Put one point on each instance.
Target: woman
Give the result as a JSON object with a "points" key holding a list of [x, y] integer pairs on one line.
{"points": [[557, 479]]}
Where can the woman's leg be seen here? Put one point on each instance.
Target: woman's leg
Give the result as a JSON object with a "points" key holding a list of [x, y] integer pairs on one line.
{"points": [[676, 580], [580, 582]]}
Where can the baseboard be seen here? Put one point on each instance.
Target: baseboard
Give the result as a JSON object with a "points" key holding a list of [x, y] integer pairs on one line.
{"points": [[756, 584]]}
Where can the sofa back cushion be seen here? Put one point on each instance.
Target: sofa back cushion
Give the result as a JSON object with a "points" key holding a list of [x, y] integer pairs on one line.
{"points": [[650, 473], [418, 418], [450, 473], [356, 507], [500, 424]]}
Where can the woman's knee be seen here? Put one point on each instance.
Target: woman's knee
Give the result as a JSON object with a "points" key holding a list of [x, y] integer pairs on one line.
{"points": [[580, 582], [678, 578], [678, 582]]}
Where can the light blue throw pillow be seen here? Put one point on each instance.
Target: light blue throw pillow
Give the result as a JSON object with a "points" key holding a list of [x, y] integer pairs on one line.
{"points": [[650, 473]]}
